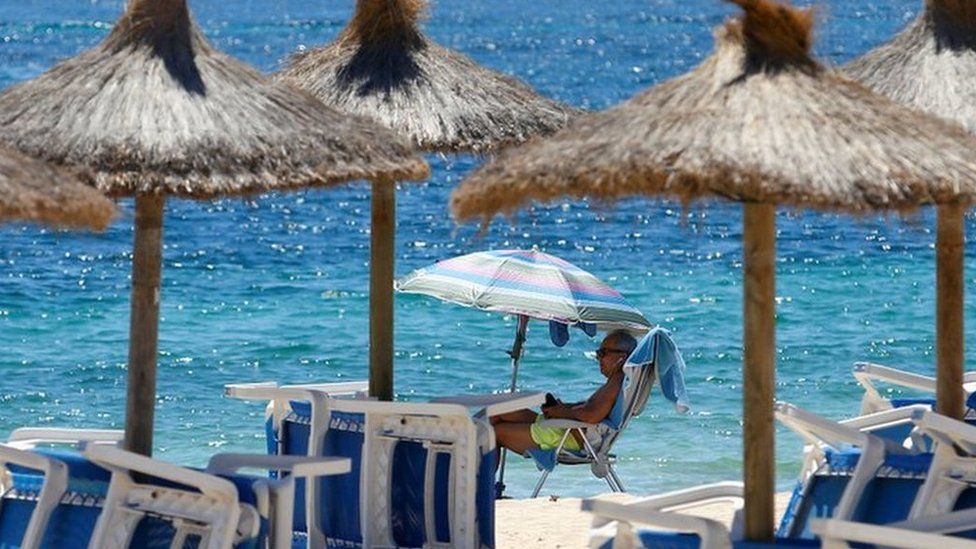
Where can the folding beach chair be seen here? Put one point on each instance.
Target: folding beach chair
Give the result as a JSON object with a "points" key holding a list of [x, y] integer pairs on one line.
{"points": [[847, 474], [599, 438]]}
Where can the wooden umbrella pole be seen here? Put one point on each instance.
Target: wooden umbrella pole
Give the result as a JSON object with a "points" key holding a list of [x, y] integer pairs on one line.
{"points": [[950, 250], [758, 368], [382, 246], [140, 402]]}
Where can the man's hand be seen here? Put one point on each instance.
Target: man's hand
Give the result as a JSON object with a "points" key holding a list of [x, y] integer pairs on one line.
{"points": [[557, 411]]}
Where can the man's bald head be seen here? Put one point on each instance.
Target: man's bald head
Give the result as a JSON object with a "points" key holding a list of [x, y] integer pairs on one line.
{"points": [[621, 339]]}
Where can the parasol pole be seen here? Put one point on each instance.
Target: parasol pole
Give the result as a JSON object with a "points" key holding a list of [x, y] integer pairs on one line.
{"points": [[516, 354], [759, 368], [140, 402], [382, 253], [950, 336]]}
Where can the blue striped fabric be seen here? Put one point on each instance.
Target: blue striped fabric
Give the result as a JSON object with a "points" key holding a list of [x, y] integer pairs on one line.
{"points": [[525, 282]]}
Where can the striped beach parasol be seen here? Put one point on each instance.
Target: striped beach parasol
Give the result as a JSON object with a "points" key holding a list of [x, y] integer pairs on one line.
{"points": [[526, 283], [529, 284]]}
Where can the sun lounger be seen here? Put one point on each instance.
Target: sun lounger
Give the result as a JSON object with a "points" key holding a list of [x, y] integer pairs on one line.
{"points": [[49, 496], [943, 514], [150, 501], [868, 374], [55, 497], [422, 473], [848, 474], [289, 426]]}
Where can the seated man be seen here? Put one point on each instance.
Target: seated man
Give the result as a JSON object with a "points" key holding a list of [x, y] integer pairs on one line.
{"points": [[520, 430]]}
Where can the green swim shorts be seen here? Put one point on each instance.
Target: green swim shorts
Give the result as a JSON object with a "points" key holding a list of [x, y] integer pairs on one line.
{"points": [[548, 438]]}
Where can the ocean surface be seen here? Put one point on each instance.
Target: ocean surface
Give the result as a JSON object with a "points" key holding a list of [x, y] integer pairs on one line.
{"points": [[275, 287]]}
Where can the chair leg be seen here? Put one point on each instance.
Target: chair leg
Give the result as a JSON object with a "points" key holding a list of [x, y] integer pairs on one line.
{"points": [[616, 479], [538, 485], [545, 474]]}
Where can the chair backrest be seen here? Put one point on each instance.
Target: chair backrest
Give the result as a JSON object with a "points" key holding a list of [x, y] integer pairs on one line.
{"points": [[412, 476], [886, 498], [50, 498], [639, 376], [151, 503]]}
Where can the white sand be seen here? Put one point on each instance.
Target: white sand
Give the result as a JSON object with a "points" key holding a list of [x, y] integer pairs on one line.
{"points": [[544, 523]]}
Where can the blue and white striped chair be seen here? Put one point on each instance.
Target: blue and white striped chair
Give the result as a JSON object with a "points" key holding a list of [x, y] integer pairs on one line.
{"points": [[868, 375], [422, 473], [943, 513], [63, 498], [848, 474], [50, 497]]}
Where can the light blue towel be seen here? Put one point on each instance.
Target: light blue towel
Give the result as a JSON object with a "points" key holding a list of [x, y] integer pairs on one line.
{"points": [[658, 345], [559, 332]]}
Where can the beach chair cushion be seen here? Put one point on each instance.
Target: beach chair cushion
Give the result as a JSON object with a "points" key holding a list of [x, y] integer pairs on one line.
{"points": [[158, 532], [911, 401], [658, 539], [340, 493], [887, 498], [73, 521], [966, 500]]}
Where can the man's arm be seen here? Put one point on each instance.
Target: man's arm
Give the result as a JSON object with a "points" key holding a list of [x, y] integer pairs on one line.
{"points": [[593, 409]]}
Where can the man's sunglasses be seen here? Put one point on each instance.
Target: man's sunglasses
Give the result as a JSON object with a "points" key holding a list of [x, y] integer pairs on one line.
{"points": [[601, 352]]}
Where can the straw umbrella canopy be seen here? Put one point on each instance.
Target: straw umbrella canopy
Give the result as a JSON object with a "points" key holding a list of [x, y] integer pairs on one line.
{"points": [[155, 110], [759, 122], [32, 190], [382, 66], [931, 66]]}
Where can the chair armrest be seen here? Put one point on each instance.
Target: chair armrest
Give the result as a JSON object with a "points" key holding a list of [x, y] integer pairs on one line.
{"points": [[299, 466], [496, 404], [947, 430], [864, 372], [333, 389], [27, 438], [566, 424], [686, 498], [834, 530], [122, 461], [30, 460], [884, 418], [270, 390], [815, 429], [712, 533], [945, 523]]}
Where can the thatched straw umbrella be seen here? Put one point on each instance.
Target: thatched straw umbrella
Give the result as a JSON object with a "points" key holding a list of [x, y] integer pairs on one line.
{"points": [[931, 66], [760, 122], [383, 67], [32, 190], [155, 110]]}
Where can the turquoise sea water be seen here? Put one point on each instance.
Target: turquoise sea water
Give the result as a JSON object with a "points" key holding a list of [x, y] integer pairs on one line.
{"points": [[275, 287]]}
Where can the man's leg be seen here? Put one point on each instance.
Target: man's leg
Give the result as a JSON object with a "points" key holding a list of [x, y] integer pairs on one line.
{"points": [[517, 437], [518, 416]]}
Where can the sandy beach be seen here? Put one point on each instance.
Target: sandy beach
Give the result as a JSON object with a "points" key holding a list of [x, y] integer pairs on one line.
{"points": [[545, 523]]}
